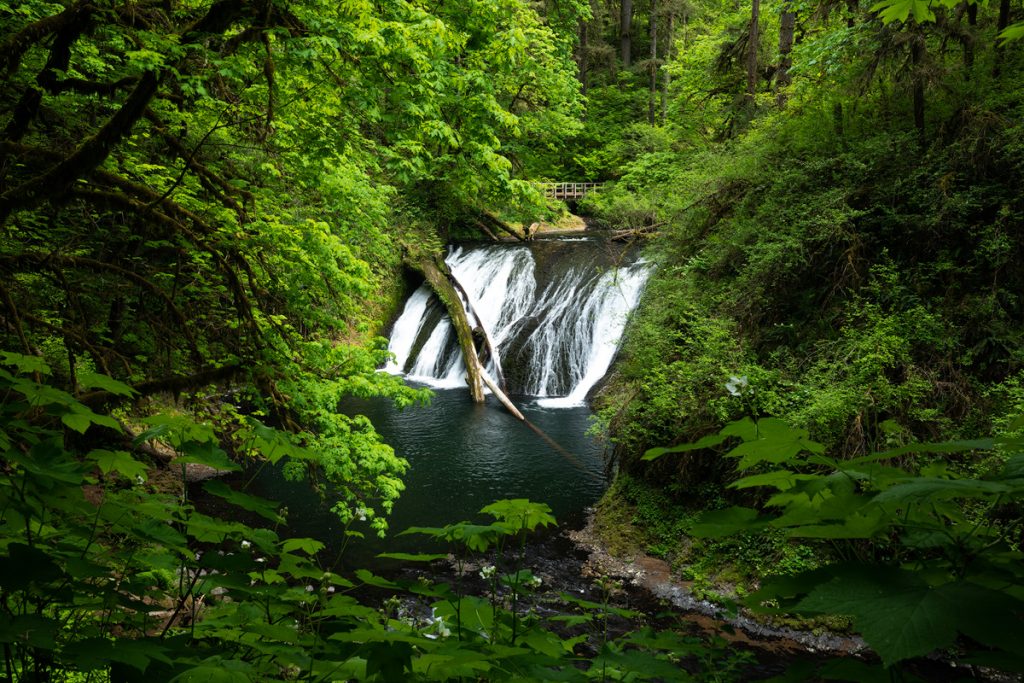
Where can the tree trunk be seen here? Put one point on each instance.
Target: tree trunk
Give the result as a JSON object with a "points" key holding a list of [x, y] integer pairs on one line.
{"points": [[488, 219], [967, 36], [752, 45], [783, 79], [626, 33], [436, 273], [447, 289], [505, 401], [1004, 21], [668, 58], [581, 58], [917, 55], [652, 92]]}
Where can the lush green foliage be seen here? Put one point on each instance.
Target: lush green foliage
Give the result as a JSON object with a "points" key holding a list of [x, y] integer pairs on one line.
{"points": [[928, 551], [834, 223], [857, 275], [204, 209]]}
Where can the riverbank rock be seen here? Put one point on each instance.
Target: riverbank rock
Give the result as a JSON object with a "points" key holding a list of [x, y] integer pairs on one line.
{"points": [[653, 575]]}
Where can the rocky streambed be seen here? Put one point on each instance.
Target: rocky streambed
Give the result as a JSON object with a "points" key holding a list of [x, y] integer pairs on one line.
{"points": [[574, 562]]}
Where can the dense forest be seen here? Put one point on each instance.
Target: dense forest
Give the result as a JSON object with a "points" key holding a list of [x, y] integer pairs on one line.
{"points": [[211, 209]]}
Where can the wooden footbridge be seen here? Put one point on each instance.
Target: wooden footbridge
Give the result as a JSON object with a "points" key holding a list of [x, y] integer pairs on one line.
{"points": [[568, 190]]}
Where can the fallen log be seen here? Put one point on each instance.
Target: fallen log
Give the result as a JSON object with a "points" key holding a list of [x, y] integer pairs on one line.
{"points": [[493, 221], [479, 325], [636, 233], [447, 289], [505, 401], [439, 278]]}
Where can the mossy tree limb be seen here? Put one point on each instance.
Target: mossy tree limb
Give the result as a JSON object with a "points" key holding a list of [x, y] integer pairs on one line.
{"points": [[439, 278]]}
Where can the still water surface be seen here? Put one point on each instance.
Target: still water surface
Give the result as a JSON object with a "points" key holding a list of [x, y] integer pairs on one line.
{"points": [[462, 456]]}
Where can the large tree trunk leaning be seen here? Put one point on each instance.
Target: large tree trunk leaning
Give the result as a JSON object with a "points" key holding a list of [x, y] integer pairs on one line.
{"points": [[437, 275], [474, 317], [496, 390], [446, 287]]}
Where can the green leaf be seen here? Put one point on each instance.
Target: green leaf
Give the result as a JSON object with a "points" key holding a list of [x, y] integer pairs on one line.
{"points": [[371, 579], [25, 364], [775, 442], [709, 441], [392, 661], [1012, 32], [931, 488], [475, 614], [218, 670], [76, 421], [206, 453], [520, 513], [80, 418], [49, 460], [275, 444], [898, 614], [118, 461], [98, 653], [261, 506], [638, 662], [727, 522], [93, 380], [783, 480], [309, 546], [941, 447], [31, 630], [414, 557], [745, 429], [893, 11], [544, 642], [22, 565]]}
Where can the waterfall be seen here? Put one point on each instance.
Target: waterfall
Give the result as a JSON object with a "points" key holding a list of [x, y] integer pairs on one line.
{"points": [[554, 314]]}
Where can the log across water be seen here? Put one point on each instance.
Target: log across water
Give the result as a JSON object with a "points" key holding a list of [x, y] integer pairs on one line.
{"points": [[446, 287], [439, 278]]}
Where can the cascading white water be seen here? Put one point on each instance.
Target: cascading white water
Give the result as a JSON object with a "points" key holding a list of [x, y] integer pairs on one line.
{"points": [[553, 340]]}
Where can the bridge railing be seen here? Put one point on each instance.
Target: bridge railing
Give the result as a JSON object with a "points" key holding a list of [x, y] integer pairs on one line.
{"points": [[568, 190]]}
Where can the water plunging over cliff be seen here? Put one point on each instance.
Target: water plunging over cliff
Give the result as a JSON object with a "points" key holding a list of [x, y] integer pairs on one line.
{"points": [[554, 312]]}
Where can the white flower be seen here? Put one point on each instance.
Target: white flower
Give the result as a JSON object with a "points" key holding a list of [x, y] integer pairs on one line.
{"points": [[361, 514], [246, 544], [533, 582], [487, 571], [442, 628], [330, 589], [736, 385], [261, 559], [309, 588]]}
